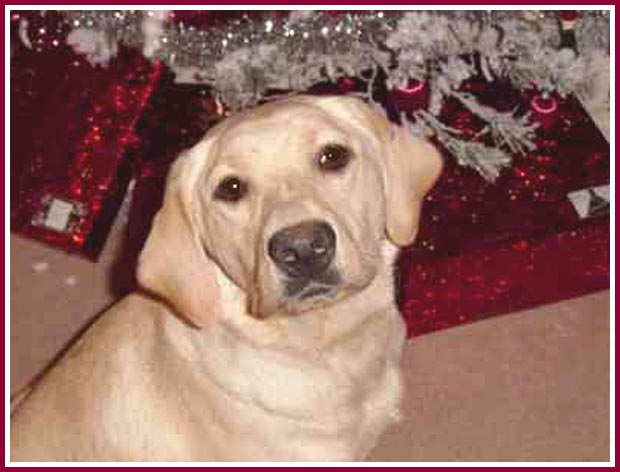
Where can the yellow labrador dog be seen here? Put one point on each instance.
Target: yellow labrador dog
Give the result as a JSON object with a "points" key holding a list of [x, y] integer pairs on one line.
{"points": [[269, 330]]}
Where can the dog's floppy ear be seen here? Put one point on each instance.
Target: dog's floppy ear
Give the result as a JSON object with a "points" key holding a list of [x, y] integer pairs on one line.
{"points": [[412, 165], [173, 264]]}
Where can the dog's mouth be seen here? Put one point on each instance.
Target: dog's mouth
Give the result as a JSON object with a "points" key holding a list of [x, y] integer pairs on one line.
{"points": [[313, 291], [322, 286]]}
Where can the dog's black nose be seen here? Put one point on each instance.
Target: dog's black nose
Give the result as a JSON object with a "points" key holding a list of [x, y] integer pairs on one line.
{"points": [[304, 250]]}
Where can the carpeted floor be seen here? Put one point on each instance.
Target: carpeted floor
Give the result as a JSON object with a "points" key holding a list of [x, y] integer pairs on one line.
{"points": [[530, 386]]}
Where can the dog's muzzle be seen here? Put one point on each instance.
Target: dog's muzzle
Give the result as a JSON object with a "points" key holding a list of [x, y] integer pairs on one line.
{"points": [[304, 253]]}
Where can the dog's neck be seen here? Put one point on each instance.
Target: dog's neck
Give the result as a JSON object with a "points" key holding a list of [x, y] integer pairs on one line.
{"points": [[314, 330], [325, 360]]}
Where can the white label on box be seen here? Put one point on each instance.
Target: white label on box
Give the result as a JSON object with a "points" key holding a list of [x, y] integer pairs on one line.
{"points": [[58, 214], [590, 202]]}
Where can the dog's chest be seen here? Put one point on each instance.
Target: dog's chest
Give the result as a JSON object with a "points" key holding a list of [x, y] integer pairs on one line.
{"points": [[298, 371], [299, 404]]}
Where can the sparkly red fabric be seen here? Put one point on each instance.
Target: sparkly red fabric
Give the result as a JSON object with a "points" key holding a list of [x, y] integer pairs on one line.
{"points": [[175, 118], [78, 133], [485, 249], [72, 136]]}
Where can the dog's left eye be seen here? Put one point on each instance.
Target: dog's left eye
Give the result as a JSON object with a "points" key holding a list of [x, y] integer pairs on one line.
{"points": [[333, 157], [231, 189]]}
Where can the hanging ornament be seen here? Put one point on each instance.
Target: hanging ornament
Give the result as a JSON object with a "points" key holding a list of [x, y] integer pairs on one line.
{"points": [[568, 22], [545, 109], [413, 97]]}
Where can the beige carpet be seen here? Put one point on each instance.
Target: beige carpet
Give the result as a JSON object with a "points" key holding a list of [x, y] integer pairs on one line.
{"points": [[529, 386], [521, 387]]}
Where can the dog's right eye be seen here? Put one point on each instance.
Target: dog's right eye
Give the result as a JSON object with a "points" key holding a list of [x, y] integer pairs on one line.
{"points": [[333, 157], [231, 189]]}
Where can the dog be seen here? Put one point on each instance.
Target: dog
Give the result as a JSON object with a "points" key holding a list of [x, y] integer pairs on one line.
{"points": [[266, 327]]}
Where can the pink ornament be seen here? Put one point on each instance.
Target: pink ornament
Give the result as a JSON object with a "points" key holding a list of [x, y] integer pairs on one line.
{"points": [[545, 110], [413, 96], [544, 105], [569, 15]]}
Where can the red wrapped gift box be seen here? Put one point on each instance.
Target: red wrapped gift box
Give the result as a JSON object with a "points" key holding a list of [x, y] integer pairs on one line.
{"points": [[175, 117], [484, 249], [72, 137]]}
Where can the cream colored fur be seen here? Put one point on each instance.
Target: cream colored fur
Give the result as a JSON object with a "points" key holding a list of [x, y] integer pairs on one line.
{"points": [[219, 365]]}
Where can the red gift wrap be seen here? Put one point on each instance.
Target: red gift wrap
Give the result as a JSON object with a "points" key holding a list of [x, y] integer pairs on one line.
{"points": [[175, 118], [72, 137], [489, 248], [79, 133]]}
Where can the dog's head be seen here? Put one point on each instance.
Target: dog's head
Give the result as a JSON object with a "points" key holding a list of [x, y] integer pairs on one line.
{"points": [[292, 201]]}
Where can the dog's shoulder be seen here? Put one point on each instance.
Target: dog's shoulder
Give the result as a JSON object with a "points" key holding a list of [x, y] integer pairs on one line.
{"points": [[104, 376], [129, 321]]}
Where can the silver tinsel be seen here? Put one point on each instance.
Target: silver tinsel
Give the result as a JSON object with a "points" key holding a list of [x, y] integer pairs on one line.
{"points": [[487, 161], [507, 130], [246, 57]]}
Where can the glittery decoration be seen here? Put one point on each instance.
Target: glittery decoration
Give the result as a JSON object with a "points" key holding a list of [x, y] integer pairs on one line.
{"points": [[245, 56], [485, 249], [450, 291], [72, 135], [290, 50], [174, 119]]}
